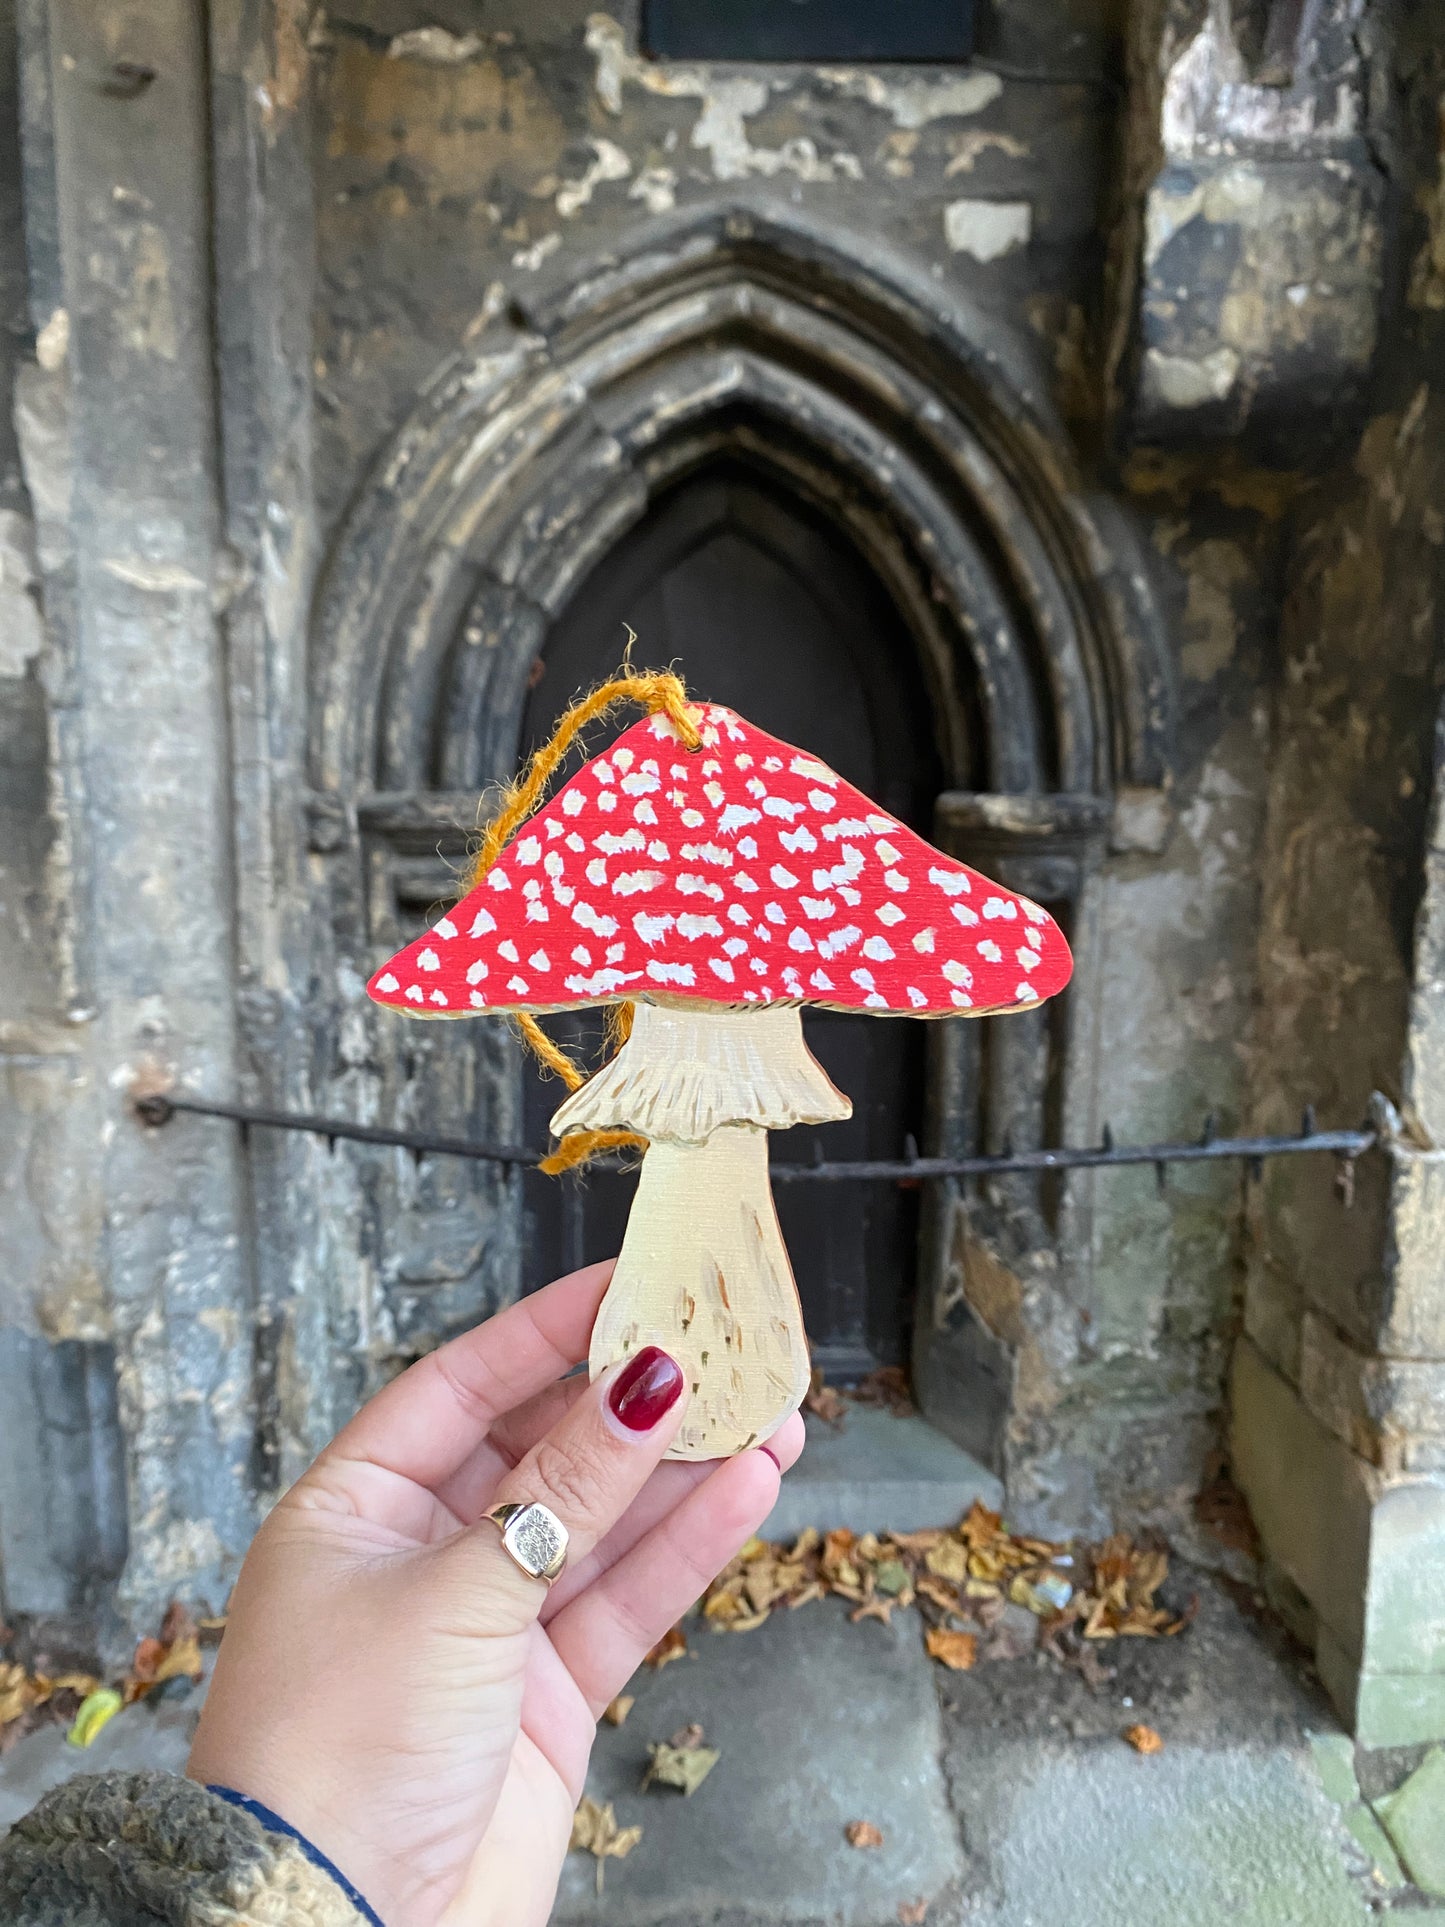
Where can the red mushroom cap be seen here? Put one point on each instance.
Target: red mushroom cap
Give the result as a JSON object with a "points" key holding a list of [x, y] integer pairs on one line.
{"points": [[745, 872]]}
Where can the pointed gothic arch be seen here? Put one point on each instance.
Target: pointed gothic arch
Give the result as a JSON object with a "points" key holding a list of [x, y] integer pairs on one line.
{"points": [[920, 430]]}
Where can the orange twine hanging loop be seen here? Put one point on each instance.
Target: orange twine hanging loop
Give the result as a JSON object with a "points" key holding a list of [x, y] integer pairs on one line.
{"points": [[659, 693]]}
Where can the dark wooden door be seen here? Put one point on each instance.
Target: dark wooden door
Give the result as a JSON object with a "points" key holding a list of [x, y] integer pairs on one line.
{"points": [[766, 607]]}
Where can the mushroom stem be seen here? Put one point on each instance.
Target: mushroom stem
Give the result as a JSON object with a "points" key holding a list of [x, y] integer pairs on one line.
{"points": [[704, 1273]]}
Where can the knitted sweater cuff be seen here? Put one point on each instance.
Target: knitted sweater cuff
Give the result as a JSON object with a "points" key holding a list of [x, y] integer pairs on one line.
{"points": [[114, 1849]]}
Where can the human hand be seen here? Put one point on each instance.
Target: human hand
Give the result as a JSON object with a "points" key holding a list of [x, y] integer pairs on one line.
{"points": [[394, 1686]]}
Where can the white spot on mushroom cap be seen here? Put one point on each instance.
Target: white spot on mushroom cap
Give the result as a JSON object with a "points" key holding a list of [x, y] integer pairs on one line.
{"points": [[614, 843], [651, 929], [634, 882], [506, 948], [428, 960], [662, 972], [482, 923], [837, 941], [590, 919], [446, 928], [387, 983], [692, 927]]}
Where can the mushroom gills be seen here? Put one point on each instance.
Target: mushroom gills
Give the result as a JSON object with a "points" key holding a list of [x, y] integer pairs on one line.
{"points": [[704, 1273]]}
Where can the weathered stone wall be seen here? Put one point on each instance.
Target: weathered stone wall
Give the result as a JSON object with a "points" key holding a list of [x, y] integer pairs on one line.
{"points": [[1171, 292], [1339, 1381]]}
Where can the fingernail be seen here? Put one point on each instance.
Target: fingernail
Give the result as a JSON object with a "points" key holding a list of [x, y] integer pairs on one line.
{"points": [[773, 1456], [646, 1388]]}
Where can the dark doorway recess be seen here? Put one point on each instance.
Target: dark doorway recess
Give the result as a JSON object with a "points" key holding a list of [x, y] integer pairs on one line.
{"points": [[767, 606]]}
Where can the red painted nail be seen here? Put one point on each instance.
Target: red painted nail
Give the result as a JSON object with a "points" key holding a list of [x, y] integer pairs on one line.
{"points": [[647, 1387]]}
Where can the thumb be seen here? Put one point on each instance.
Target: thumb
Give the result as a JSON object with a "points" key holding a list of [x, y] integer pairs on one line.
{"points": [[586, 1471]]}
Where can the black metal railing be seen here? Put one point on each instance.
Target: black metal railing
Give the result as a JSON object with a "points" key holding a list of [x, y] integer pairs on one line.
{"points": [[1345, 1146]]}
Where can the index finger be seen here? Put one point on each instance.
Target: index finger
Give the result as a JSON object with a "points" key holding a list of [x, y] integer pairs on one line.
{"points": [[427, 1422]]}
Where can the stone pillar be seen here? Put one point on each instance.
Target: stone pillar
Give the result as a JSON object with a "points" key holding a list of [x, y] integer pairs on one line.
{"points": [[1338, 1424], [117, 128]]}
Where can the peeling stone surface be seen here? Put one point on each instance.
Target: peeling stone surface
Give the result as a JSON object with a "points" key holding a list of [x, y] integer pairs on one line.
{"points": [[1258, 910]]}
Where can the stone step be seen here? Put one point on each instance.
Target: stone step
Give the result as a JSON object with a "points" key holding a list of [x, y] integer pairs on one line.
{"points": [[879, 1473]]}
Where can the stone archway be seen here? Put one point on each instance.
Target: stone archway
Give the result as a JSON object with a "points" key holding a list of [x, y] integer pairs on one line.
{"points": [[921, 433]]}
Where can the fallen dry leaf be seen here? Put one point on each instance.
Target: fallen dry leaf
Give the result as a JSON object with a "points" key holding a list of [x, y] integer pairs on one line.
{"points": [[862, 1833], [875, 1609], [912, 1913], [683, 1767], [948, 1560], [1143, 1739], [888, 1387], [672, 1645], [915, 1542], [616, 1711], [175, 1655], [943, 1596], [825, 1403], [956, 1651], [595, 1831], [96, 1712]]}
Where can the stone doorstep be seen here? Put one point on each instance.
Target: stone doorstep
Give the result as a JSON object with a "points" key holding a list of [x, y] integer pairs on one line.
{"points": [[1414, 1817], [879, 1473]]}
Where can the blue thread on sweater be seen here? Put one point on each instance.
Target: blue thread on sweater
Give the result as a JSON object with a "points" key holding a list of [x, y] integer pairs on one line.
{"points": [[273, 1823]]}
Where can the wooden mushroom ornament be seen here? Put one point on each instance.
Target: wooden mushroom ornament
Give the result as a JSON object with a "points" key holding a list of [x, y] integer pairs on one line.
{"points": [[718, 889]]}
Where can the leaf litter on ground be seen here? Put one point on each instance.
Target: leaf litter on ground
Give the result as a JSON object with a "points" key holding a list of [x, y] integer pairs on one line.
{"points": [[985, 1593], [81, 1701]]}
